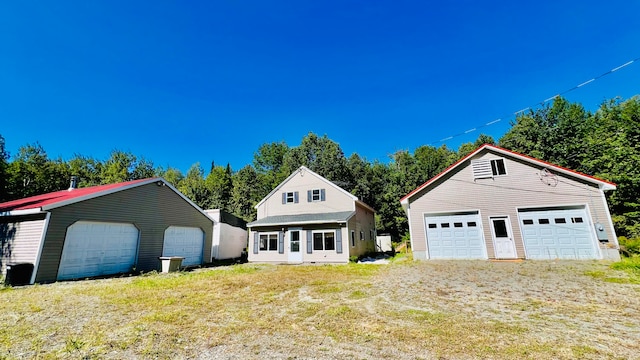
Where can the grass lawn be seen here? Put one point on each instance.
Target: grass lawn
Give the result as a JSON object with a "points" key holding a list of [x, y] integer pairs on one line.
{"points": [[406, 310]]}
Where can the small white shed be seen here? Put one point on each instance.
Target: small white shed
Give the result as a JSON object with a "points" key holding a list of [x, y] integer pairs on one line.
{"points": [[383, 243], [229, 235]]}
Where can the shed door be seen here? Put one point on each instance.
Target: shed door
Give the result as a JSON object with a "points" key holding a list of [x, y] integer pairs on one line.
{"points": [[558, 234], [96, 248], [455, 237], [187, 242]]}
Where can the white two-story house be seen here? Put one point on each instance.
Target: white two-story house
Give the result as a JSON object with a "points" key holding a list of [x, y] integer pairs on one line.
{"points": [[309, 219]]}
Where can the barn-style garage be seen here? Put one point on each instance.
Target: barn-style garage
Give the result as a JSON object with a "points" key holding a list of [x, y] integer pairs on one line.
{"points": [[103, 230]]}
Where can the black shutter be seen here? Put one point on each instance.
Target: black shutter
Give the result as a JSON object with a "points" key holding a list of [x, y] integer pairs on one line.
{"points": [[284, 197], [280, 242], [255, 243], [322, 196], [295, 197], [339, 241], [309, 242]]}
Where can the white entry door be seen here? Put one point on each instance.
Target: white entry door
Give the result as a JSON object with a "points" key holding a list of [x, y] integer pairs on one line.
{"points": [[187, 242], [295, 249], [503, 243]]}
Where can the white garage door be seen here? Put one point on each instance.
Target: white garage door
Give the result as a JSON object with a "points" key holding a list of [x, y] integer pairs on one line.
{"points": [[455, 237], [558, 234], [187, 242], [97, 248]]}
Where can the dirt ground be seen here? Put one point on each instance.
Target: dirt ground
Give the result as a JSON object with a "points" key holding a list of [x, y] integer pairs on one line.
{"points": [[401, 310], [539, 310]]}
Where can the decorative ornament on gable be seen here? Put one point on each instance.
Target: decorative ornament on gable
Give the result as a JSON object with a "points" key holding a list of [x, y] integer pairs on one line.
{"points": [[547, 177]]}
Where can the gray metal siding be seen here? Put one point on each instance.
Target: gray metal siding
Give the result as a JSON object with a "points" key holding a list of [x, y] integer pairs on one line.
{"points": [[151, 208], [20, 238]]}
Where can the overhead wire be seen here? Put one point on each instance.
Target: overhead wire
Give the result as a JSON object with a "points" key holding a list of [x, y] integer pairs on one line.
{"points": [[541, 103]]}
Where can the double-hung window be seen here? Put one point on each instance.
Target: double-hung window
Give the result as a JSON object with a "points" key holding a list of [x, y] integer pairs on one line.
{"points": [[269, 242], [324, 240]]}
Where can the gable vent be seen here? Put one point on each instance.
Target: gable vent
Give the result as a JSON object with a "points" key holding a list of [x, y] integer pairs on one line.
{"points": [[481, 169]]}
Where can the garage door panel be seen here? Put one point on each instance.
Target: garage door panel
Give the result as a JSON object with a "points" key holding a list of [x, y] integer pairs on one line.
{"points": [[454, 237], [186, 242], [557, 233], [95, 249]]}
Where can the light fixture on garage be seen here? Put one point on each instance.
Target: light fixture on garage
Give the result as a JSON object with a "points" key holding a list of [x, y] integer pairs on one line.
{"points": [[160, 183]]}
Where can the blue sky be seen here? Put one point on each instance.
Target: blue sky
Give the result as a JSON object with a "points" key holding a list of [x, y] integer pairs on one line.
{"points": [[182, 82]]}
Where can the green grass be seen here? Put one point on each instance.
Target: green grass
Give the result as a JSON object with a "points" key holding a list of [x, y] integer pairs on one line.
{"points": [[183, 314]]}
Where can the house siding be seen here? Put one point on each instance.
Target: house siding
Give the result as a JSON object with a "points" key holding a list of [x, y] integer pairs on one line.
{"points": [[20, 238], [520, 188], [364, 221], [336, 200], [330, 256], [151, 208]]}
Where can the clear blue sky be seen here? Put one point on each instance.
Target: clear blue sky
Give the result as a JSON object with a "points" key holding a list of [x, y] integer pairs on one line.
{"points": [[180, 82]]}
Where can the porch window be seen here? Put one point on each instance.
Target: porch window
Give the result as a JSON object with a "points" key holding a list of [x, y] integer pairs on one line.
{"points": [[324, 241], [269, 242]]}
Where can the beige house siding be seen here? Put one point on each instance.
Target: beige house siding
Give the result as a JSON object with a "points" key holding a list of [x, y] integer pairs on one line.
{"points": [[336, 200], [363, 221], [503, 195], [329, 256], [151, 208], [20, 238]]}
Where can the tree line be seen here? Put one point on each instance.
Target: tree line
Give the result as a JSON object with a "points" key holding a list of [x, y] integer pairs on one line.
{"points": [[604, 143]]}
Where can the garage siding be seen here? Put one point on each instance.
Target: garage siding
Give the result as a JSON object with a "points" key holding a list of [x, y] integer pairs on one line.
{"points": [[502, 195], [20, 238], [150, 208]]}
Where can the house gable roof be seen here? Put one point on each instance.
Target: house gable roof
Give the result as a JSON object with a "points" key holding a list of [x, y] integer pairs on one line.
{"points": [[52, 200], [602, 184], [306, 170]]}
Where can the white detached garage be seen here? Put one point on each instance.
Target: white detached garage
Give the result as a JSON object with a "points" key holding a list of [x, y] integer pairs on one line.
{"points": [[497, 204]]}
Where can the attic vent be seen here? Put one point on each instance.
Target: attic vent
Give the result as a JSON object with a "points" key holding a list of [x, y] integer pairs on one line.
{"points": [[481, 169]]}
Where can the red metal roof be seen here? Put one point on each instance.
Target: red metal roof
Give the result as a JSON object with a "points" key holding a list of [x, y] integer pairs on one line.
{"points": [[500, 149], [38, 201]]}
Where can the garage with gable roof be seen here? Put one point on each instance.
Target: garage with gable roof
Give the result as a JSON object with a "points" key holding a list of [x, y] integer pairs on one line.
{"points": [[103, 230], [526, 208]]}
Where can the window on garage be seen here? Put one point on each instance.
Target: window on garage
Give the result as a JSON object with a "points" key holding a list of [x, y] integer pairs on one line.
{"points": [[497, 167]]}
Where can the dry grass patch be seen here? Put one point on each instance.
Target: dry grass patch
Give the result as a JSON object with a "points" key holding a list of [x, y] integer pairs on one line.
{"points": [[405, 310]]}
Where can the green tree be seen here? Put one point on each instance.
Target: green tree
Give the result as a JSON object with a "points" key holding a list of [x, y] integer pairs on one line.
{"points": [[219, 186], [87, 169], [172, 175], [193, 186], [321, 155], [4, 174], [245, 193], [33, 173]]}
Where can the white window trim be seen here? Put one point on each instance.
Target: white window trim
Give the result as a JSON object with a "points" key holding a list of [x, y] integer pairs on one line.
{"points": [[313, 195], [268, 234], [491, 161], [290, 199], [314, 232]]}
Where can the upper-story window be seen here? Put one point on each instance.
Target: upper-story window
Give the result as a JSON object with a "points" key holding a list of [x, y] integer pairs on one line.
{"points": [[290, 197], [485, 168], [497, 167], [315, 195]]}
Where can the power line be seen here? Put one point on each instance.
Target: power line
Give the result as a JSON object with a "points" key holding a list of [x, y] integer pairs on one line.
{"points": [[541, 103]]}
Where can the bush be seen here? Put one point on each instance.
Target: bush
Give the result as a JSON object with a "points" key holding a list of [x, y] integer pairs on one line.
{"points": [[632, 263], [629, 247]]}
